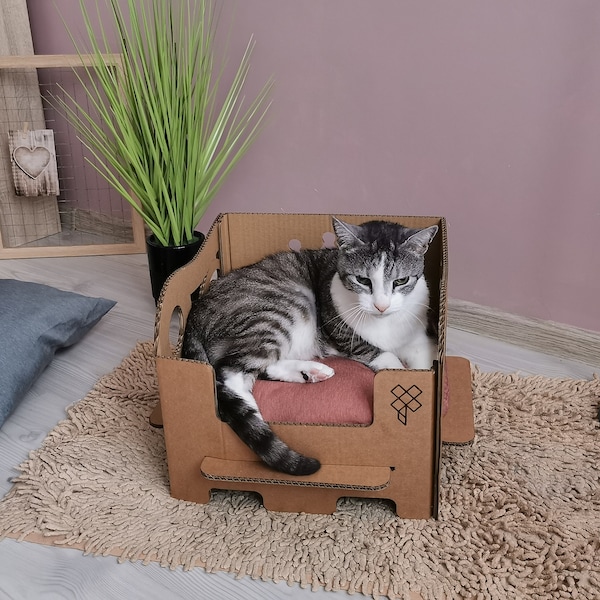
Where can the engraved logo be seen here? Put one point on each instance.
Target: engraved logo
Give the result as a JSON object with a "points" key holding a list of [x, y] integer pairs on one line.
{"points": [[406, 399]]}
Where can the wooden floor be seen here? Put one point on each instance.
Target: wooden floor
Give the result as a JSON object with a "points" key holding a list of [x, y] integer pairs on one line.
{"points": [[30, 571]]}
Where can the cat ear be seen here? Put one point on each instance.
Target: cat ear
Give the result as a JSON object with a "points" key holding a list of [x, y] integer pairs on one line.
{"points": [[419, 242], [347, 235]]}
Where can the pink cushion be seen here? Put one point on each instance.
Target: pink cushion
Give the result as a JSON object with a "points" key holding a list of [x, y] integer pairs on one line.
{"points": [[344, 399]]}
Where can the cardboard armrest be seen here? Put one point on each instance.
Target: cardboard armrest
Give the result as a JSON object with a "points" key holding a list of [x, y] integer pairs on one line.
{"points": [[328, 476]]}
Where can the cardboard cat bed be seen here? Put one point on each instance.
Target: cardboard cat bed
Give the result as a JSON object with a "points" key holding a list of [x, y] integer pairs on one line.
{"points": [[393, 454]]}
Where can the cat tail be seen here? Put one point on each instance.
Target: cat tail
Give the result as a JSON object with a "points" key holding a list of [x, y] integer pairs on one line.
{"points": [[247, 422]]}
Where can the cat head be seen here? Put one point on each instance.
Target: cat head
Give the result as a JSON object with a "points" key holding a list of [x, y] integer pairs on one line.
{"points": [[382, 262]]}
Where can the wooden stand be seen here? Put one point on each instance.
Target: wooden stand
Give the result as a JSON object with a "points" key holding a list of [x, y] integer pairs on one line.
{"points": [[21, 220]]}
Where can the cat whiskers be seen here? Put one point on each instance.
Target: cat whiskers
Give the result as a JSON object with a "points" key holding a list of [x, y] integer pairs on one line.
{"points": [[351, 317], [412, 315], [358, 317], [416, 304]]}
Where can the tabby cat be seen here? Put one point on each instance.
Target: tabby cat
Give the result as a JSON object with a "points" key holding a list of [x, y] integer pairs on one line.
{"points": [[367, 299]]}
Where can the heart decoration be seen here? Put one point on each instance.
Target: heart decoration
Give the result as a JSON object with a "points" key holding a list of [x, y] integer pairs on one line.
{"points": [[32, 161]]}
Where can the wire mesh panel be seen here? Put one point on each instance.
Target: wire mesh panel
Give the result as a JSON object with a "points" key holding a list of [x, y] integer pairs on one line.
{"points": [[87, 216]]}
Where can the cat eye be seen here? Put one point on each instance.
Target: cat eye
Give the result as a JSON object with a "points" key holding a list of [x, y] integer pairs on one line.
{"points": [[363, 281], [400, 282]]}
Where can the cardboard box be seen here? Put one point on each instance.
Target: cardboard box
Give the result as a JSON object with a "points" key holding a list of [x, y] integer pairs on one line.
{"points": [[397, 457]]}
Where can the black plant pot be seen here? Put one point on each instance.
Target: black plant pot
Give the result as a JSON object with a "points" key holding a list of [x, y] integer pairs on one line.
{"points": [[164, 260]]}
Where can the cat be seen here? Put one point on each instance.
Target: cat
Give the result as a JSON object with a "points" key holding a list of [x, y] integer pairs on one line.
{"points": [[367, 299]]}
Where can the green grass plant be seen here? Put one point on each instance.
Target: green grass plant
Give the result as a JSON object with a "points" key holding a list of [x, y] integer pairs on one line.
{"points": [[163, 127]]}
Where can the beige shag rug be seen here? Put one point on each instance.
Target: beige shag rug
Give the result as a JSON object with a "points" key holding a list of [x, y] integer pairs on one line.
{"points": [[520, 508]]}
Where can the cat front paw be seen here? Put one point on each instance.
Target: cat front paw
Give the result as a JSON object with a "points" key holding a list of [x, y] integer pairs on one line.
{"points": [[299, 371], [317, 372], [386, 360]]}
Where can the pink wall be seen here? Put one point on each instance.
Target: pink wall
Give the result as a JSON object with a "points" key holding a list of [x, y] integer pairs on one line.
{"points": [[485, 112]]}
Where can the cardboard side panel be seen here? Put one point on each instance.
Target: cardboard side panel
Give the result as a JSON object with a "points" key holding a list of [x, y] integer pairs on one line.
{"points": [[436, 271], [408, 404], [191, 426], [176, 294], [400, 442]]}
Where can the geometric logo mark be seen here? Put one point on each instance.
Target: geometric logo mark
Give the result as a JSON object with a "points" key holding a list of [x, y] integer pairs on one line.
{"points": [[406, 399]]}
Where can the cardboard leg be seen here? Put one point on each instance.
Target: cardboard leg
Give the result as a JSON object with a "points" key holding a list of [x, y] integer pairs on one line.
{"points": [[457, 423]]}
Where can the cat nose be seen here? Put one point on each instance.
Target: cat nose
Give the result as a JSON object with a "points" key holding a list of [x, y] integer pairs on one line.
{"points": [[381, 307]]}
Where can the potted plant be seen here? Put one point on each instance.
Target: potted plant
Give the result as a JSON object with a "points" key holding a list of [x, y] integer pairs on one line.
{"points": [[164, 129]]}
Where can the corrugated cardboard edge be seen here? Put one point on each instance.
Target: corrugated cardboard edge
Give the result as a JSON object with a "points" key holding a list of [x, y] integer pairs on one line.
{"points": [[344, 477], [458, 425]]}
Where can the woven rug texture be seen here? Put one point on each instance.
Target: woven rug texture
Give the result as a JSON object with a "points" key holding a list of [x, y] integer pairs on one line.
{"points": [[519, 516]]}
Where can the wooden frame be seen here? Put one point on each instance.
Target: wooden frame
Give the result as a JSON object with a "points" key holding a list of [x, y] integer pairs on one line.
{"points": [[137, 232]]}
